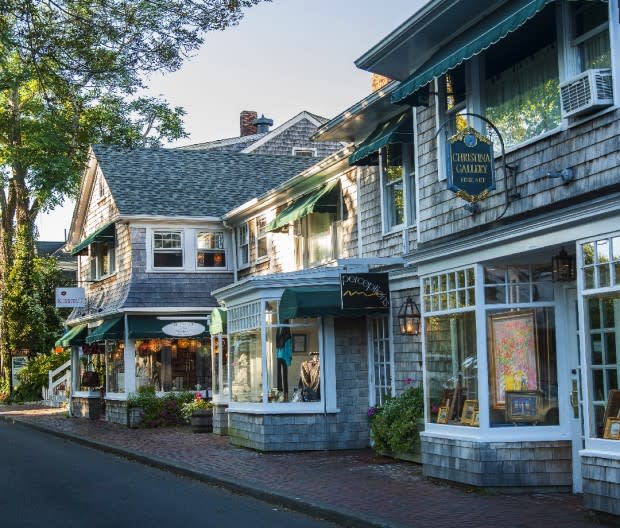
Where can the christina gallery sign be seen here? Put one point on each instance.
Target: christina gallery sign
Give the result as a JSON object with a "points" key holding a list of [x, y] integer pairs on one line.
{"points": [[471, 165], [365, 291]]}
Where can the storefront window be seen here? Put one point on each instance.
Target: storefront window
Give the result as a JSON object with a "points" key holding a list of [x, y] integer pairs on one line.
{"points": [[293, 362], [91, 360], [452, 368], [603, 315], [522, 367], [173, 364], [601, 263], [382, 363], [115, 366], [246, 366]]}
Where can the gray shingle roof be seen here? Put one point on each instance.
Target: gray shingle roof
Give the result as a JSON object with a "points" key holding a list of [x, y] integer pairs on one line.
{"points": [[176, 182]]}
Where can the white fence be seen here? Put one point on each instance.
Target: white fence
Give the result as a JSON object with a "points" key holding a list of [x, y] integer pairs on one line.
{"points": [[55, 392]]}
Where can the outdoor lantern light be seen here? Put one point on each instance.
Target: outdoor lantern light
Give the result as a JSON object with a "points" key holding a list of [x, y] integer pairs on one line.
{"points": [[564, 269], [409, 318]]}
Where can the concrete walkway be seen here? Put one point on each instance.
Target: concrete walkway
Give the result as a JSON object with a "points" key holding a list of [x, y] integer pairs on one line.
{"points": [[351, 488]]}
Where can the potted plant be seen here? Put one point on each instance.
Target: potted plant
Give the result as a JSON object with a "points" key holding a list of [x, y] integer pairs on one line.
{"points": [[199, 412]]}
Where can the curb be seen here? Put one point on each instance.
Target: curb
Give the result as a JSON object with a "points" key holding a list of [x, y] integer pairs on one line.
{"points": [[309, 507]]}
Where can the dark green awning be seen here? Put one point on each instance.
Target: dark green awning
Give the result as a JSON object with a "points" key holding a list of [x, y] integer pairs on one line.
{"points": [[217, 324], [318, 201], [150, 327], [73, 336], [399, 129], [490, 30], [313, 302], [109, 329], [105, 233]]}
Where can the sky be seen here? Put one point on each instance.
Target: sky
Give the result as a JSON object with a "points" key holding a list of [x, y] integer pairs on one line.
{"points": [[284, 57]]}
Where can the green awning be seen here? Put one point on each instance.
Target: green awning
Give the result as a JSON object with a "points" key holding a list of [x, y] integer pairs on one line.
{"points": [[73, 336], [313, 302], [150, 327], [321, 200], [490, 30], [399, 129], [109, 329], [105, 233], [217, 324]]}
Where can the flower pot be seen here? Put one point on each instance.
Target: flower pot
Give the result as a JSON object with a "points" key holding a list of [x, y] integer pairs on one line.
{"points": [[202, 421]]}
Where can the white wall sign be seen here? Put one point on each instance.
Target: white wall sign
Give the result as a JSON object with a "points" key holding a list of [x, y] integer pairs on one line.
{"points": [[183, 329], [70, 298]]}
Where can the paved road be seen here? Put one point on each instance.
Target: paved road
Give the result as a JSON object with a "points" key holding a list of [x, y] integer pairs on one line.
{"points": [[48, 481]]}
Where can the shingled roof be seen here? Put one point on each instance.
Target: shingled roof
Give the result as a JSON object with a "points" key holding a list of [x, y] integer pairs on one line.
{"points": [[176, 182]]}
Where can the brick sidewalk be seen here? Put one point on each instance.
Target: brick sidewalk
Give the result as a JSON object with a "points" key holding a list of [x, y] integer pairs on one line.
{"points": [[352, 488]]}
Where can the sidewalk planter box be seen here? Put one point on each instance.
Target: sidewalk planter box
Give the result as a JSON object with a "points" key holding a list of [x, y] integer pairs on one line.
{"points": [[202, 421]]}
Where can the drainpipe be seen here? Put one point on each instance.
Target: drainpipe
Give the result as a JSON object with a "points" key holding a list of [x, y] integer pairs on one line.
{"points": [[233, 250]]}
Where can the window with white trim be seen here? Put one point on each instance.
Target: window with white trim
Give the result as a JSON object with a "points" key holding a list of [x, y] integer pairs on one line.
{"points": [[243, 245], [381, 360], [397, 180], [102, 260], [252, 241], [168, 249], [210, 249], [305, 152]]}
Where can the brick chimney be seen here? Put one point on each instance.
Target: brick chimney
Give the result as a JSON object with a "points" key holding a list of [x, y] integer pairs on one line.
{"points": [[246, 126]]}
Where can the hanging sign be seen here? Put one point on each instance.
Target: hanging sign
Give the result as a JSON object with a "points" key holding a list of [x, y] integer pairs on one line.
{"points": [[183, 329], [70, 298], [471, 165], [364, 291]]}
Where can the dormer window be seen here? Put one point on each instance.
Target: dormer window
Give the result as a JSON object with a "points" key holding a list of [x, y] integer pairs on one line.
{"points": [[306, 152], [167, 249]]}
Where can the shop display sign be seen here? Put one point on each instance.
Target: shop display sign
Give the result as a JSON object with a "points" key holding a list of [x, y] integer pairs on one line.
{"points": [[70, 298], [364, 291], [471, 165], [183, 329]]}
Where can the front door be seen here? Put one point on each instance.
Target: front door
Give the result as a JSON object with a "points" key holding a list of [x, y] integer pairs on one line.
{"points": [[574, 396]]}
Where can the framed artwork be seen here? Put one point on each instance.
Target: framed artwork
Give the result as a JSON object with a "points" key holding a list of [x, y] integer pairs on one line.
{"points": [[299, 343], [469, 410], [442, 415], [523, 406], [612, 429], [453, 399], [612, 410], [513, 355]]}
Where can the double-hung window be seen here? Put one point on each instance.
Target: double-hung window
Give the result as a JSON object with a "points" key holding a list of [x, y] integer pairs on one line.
{"points": [[252, 241], [210, 250], [168, 249], [261, 237], [243, 245], [102, 261], [397, 177]]}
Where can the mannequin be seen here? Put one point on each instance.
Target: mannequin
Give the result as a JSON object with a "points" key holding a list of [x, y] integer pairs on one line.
{"points": [[284, 356], [310, 378]]}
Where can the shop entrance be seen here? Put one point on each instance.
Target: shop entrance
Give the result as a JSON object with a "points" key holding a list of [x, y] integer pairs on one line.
{"points": [[574, 397]]}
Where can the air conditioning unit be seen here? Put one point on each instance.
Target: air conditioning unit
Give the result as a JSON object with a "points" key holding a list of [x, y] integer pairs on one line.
{"points": [[586, 92]]}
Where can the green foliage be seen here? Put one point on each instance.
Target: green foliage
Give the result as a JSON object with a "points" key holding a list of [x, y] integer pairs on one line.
{"points": [[159, 412], [394, 426], [34, 376], [198, 403]]}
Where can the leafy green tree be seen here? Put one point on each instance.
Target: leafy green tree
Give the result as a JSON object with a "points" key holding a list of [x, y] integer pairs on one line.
{"points": [[70, 71]]}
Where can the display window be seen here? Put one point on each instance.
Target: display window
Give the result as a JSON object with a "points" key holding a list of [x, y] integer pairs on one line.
{"points": [[522, 367], [115, 366], [169, 364], [246, 366], [219, 362], [452, 368], [91, 364]]}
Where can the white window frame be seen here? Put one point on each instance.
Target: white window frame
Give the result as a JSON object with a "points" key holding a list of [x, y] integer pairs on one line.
{"points": [[188, 248], [96, 259], [297, 150], [209, 250], [408, 183], [155, 250], [381, 358], [243, 245]]}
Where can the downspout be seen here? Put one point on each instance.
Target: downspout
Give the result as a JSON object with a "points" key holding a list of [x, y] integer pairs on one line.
{"points": [[358, 179], [233, 249]]}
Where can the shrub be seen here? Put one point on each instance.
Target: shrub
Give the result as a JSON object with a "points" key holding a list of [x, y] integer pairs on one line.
{"points": [[394, 426], [34, 376], [159, 412]]}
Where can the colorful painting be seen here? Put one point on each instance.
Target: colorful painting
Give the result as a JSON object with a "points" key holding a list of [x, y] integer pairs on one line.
{"points": [[513, 359]]}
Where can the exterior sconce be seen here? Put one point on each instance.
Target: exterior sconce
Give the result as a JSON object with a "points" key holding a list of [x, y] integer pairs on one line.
{"points": [[563, 267], [409, 318]]}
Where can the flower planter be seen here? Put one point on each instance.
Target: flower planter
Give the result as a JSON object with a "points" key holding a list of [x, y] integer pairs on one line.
{"points": [[202, 421]]}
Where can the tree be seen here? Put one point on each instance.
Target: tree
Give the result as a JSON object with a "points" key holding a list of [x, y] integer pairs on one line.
{"points": [[69, 74]]}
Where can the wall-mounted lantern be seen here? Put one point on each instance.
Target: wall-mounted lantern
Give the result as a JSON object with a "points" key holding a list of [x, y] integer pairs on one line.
{"points": [[409, 318], [563, 267]]}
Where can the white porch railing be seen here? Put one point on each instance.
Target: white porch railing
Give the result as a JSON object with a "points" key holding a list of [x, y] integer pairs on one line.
{"points": [[54, 394]]}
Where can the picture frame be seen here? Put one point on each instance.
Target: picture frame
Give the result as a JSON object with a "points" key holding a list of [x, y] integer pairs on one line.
{"points": [[612, 429], [475, 422], [442, 415], [513, 355], [469, 409], [299, 343], [523, 406], [612, 409]]}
